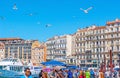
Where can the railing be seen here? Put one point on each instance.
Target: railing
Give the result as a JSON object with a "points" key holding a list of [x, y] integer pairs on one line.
{"points": [[8, 74]]}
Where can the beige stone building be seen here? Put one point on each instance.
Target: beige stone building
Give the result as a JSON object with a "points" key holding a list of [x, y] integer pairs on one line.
{"points": [[92, 43], [71, 60], [38, 53], [22, 49], [2, 50]]}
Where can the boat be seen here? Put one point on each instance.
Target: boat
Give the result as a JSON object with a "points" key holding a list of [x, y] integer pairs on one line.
{"points": [[14, 68]]}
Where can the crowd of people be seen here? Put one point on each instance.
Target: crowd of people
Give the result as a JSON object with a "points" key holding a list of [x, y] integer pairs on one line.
{"points": [[73, 73]]}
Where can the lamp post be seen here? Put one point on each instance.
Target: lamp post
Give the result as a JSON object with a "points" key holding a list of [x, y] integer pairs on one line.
{"points": [[111, 65], [110, 53]]}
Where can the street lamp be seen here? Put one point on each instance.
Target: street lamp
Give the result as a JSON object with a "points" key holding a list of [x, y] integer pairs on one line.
{"points": [[110, 53]]}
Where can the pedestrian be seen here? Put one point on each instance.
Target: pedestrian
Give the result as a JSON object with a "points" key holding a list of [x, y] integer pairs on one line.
{"points": [[107, 74], [66, 73], [74, 74], [40, 74], [45, 75], [70, 74], [27, 73], [101, 74], [96, 73], [92, 74], [52, 73], [61, 73], [81, 75], [87, 74], [115, 74]]}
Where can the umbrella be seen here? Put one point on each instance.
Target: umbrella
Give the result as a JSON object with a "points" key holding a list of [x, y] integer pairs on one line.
{"points": [[53, 63]]}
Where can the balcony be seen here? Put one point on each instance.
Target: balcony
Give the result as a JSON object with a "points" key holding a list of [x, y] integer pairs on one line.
{"points": [[59, 54]]}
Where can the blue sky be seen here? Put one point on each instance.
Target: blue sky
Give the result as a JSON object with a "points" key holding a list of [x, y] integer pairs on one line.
{"points": [[65, 17]]}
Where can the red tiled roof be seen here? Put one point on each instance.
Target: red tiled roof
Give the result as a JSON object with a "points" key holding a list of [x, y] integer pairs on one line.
{"points": [[96, 28], [10, 39], [113, 22]]}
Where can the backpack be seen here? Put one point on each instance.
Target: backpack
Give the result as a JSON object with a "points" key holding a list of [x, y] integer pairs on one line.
{"points": [[115, 74]]}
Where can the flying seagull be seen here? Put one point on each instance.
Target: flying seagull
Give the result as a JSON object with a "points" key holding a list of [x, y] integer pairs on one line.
{"points": [[2, 17], [48, 25], [86, 10], [15, 7], [31, 14]]}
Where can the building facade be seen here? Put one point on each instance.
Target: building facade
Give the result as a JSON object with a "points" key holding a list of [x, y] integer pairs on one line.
{"points": [[59, 47], [20, 48], [38, 54], [93, 44], [2, 50], [71, 60]]}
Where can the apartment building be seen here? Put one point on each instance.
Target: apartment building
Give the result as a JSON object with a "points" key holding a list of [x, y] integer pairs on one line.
{"points": [[22, 49], [59, 47], [71, 60], [2, 50], [38, 54], [93, 44]]}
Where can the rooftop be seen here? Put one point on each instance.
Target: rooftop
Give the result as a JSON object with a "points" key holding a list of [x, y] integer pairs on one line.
{"points": [[113, 22], [91, 28], [1, 39]]}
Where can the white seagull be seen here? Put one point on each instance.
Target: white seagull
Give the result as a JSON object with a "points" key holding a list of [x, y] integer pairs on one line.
{"points": [[48, 25], [15, 7], [31, 14], [86, 10]]}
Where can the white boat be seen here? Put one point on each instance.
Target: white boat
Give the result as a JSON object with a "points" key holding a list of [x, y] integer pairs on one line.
{"points": [[14, 68]]}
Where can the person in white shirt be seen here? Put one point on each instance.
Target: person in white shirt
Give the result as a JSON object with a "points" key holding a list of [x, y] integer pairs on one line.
{"points": [[107, 74]]}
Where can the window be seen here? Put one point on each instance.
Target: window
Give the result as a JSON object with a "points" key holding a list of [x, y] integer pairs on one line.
{"points": [[117, 34], [97, 50], [64, 52], [111, 35], [117, 28], [117, 47]]}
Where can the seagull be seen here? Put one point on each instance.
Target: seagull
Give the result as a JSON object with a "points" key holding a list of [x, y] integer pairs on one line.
{"points": [[15, 7], [48, 25], [86, 10], [31, 14], [2, 17]]}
